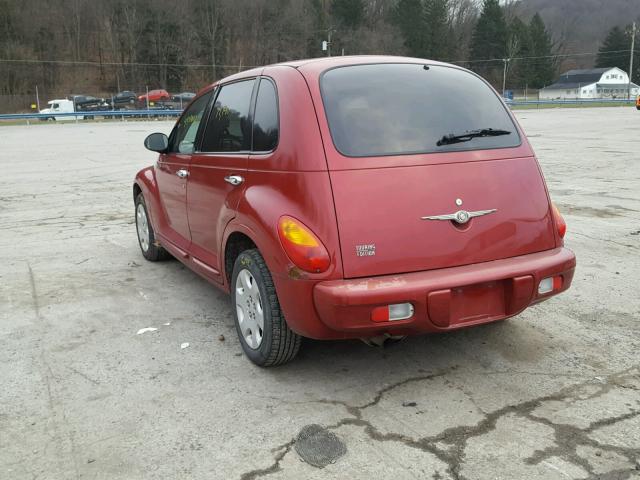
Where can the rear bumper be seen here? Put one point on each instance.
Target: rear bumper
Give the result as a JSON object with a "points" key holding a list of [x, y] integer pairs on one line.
{"points": [[444, 299]]}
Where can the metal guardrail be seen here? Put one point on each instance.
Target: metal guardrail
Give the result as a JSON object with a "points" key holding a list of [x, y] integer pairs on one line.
{"points": [[576, 101], [92, 114], [174, 113]]}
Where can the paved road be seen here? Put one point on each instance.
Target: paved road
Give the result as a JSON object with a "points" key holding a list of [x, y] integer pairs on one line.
{"points": [[553, 393]]}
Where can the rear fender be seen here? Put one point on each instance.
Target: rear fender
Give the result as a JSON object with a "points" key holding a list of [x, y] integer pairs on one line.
{"points": [[257, 218], [294, 288], [236, 226]]}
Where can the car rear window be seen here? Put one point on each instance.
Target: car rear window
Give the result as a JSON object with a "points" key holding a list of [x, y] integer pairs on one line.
{"points": [[399, 109]]}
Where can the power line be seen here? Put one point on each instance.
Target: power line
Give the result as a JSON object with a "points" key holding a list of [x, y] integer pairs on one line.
{"points": [[559, 55]]}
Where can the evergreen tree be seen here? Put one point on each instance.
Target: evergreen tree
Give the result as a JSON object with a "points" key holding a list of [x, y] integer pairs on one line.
{"points": [[437, 29], [615, 51], [409, 16], [489, 40], [611, 53], [348, 12], [542, 70]]}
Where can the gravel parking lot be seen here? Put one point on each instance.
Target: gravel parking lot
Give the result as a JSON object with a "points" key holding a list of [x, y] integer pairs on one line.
{"points": [[552, 393]]}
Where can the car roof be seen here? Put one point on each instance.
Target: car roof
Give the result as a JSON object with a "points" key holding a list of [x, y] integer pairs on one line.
{"points": [[325, 63], [331, 62]]}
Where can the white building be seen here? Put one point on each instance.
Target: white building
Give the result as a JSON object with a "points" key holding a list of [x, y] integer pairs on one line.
{"points": [[593, 83]]}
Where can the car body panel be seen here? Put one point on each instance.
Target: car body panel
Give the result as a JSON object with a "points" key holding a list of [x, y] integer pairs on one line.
{"points": [[398, 198], [345, 305], [212, 202], [172, 192]]}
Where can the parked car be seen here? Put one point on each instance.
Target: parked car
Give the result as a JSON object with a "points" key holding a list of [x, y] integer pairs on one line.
{"points": [[154, 96], [123, 99], [354, 197], [88, 102], [184, 97]]}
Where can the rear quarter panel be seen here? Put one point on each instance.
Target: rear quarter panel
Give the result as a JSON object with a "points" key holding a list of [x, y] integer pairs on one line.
{"points": [[292, 180]]}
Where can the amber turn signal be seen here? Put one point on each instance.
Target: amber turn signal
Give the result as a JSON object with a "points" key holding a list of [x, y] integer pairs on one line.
{"points": [[302, 246], [561, 225]]}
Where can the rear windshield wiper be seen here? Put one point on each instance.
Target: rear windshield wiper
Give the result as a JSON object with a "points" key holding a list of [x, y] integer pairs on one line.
{"points": [[466, 136]]}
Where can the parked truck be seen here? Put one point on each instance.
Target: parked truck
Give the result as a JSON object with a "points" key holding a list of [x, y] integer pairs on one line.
{"points": [[62, 105], [75, 103]]}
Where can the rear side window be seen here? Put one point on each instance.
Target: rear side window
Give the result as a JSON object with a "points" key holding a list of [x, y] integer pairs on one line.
{"points": [[265, 119], [398, 109], [229, 128]]}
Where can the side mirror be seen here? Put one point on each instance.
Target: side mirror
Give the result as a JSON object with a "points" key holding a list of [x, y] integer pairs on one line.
{"points": [[157, 142]]}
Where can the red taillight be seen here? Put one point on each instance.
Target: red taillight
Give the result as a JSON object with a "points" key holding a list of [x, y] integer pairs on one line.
{"points": [[388, 313], [302, 246], [561, 225], [557, 283], [380, 314]]}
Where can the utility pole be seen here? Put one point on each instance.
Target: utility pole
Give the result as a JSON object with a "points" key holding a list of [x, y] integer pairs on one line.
{"points": [[633, 45], [504, 76], [326, 44]]}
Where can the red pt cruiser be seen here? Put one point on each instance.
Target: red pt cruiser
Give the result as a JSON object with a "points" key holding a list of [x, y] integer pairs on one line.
{"points": [[354, 197]]}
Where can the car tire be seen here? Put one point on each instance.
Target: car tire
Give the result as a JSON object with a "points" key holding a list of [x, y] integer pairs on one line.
{"points": [[254, 298], [151, 249]]}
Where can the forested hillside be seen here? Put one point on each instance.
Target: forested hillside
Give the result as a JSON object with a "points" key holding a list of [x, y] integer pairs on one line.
{"points": [[580, 25], [101, 47]]}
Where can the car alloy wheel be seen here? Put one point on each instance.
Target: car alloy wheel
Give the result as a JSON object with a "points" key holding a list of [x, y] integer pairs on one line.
{"points": [[264, 335], [151, 249], [249, 309], [143, 227]]}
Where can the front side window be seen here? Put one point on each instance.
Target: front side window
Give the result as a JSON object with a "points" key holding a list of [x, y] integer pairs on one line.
{"points": [[183, 137], [265, 118], [229, 128], [399, 109]]}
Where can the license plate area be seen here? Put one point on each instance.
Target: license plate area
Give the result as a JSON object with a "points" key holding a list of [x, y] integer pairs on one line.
{"points": [[479, 303]]}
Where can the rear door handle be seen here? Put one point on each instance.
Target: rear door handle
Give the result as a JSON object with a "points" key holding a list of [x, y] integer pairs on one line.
{"points": [[182, 173], [234, 180]]}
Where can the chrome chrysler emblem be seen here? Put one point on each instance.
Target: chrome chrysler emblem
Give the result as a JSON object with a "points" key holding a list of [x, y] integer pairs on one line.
{"points": [[461, 216]]}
